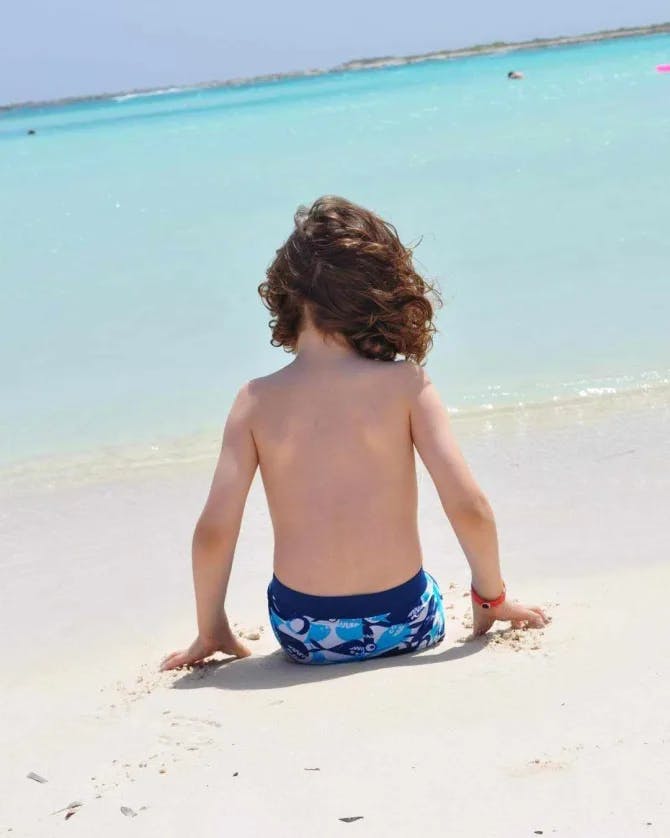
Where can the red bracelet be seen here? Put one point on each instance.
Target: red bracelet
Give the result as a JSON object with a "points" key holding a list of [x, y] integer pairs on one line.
{"points": [[488, 603]]}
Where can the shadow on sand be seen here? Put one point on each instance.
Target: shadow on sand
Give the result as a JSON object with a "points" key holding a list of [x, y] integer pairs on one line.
{"points": [[267, 672]]}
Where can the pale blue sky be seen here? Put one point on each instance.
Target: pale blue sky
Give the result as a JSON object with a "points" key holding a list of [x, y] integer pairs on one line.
{"points": [[78, 47]]}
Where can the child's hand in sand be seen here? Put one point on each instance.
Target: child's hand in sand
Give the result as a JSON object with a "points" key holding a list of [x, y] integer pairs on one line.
{"points": [[521, 616], [203, 648]]}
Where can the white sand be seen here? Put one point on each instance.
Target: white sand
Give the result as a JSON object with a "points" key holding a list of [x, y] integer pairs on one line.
{"points": [[564, 731]]}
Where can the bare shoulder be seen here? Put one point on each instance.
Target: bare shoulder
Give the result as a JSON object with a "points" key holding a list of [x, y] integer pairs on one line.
{"points": [[259, 390], [253, 393], [266, 383], [405, 377], [242, 407], [261, 394]]}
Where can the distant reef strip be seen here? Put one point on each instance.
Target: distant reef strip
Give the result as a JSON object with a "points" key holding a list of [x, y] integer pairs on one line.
{"points": [[367, 64]]}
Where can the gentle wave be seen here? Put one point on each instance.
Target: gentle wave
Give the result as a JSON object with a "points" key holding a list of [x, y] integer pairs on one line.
{"points": [[131, 462]]}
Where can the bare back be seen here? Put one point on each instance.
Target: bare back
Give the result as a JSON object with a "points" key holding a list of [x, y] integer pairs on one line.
{"points": [[334, 434], [336, 456]]}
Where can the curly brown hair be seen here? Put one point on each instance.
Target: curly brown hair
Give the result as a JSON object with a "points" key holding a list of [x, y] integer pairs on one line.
{"points": [[350, 269]]}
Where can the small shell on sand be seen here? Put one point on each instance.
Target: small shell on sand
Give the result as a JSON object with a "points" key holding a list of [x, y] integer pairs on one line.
{"points": [[128, 812]]}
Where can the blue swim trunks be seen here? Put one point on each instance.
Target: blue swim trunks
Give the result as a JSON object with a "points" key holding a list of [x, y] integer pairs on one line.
{"points": [[325, 629]]}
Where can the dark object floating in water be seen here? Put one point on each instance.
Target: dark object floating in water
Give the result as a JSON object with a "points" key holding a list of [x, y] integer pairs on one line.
{"points": [[36, 777], [128, 812], [514, 74], [351, 818], [31, 131]]}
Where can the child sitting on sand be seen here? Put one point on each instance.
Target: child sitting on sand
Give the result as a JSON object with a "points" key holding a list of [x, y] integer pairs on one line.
{"points": [[334, 434]]}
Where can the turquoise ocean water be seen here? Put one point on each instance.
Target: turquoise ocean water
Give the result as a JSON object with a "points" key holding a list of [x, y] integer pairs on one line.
{"points": [[134, 232]]}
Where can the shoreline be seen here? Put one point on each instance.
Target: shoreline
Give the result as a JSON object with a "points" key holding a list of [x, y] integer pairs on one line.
{"points": [[353, 65], [109, 463]]}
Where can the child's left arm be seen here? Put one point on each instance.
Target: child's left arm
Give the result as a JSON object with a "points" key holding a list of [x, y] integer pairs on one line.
{"points": [[215, 538]]}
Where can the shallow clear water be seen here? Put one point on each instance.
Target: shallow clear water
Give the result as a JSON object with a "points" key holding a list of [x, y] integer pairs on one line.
{"points": [[133, 233]]}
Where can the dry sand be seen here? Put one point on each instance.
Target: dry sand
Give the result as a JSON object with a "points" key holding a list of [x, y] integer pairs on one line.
{"points": [[562, 732]]}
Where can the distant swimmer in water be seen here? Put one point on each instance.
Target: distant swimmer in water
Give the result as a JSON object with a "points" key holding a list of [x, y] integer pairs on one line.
{"points": [[514, 74]]}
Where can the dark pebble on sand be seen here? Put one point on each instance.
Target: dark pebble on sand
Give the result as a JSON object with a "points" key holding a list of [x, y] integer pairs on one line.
{"points": [[36, 777], [312, 769], [538, 832], [351, 818], [128, 812], [235, 773], [70, 808]]}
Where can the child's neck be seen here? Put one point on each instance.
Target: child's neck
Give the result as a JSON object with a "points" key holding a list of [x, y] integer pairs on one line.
{"points": [[314, 347]]}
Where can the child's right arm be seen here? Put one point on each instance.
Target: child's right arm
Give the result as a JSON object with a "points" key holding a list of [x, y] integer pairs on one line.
{"points": [[466, 507], [215, 538]]}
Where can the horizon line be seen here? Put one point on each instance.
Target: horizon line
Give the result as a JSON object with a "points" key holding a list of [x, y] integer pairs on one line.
{"points": [[356, 64]]}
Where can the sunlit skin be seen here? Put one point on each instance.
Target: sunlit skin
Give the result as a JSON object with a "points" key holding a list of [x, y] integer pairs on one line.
{"points": [[335, 435]]}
